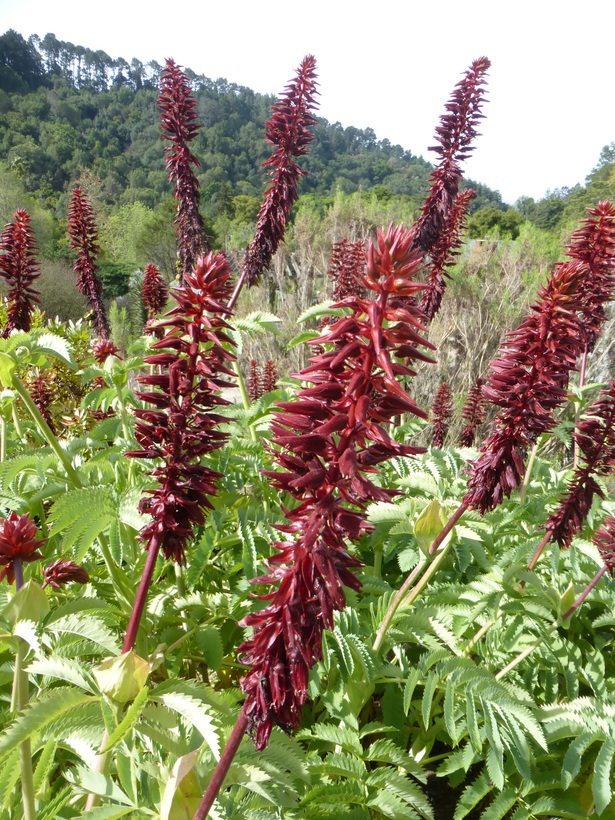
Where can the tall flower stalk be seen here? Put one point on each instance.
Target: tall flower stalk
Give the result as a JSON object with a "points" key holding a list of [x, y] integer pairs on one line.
{"points": [[179, 428], [330, 441], [154, 292], [473, 413], [20, 269], [347, 266], [595, 438], [83, 238], [179, 127], [454, 136], [441, 412], [288, 131], [528, 379], [444, 251]]}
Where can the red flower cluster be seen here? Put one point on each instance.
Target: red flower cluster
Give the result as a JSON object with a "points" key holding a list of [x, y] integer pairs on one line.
{"points": [[456, 131], [604, 539], [288, 131], [346, 266], [330, 440], [598, 254], [180, 426], [473, 413], [64, 572], [179, 122], [83, 237], [441, 412], [17, 542], [595, 436], [154, 291], [41, 389], [529, 378], [103, 348], [18, 266], [261, 381], [444, 251]]}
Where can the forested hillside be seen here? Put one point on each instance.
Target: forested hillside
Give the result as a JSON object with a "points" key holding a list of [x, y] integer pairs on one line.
{"points": [[70, 115]]}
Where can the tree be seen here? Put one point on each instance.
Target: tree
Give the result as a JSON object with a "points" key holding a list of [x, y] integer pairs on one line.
{"points": [[20, 65]]}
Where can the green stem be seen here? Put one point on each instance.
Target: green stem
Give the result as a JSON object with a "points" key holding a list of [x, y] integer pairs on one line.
{"points": [[482, 631], [46, 432], [431, 570], [577, 411], [394, 605], [528, 650], [123, 415], [16, 422], [2, 439], [401, 593], [19, 702], [100, 765], [378, 560], [528, 471], [244, 394], [521, 657]]}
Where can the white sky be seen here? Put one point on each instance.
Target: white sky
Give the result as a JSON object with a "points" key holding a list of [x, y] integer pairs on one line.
{"points": [[389, 65]]}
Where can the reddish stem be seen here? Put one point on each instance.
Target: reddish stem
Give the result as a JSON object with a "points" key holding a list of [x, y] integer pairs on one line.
{"points": [[237, 291], [141, 597], [221, 770], [585, 593], [448, 527], [538, 552], [18, 570]]}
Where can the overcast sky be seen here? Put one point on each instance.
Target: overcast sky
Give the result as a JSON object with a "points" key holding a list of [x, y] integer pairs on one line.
{"points": [[389, 66]]}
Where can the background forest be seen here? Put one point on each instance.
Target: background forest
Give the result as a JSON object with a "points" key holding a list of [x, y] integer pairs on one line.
{"points": [[72, 116]]}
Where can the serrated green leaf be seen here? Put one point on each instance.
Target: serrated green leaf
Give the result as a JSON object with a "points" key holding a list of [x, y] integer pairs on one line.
{"points": [[196, 713], [302, 338], [40, 713], [601, 787], [413, 679], [62, 669], [428, 693], [89, 628], [472, 795], [495, 766]]}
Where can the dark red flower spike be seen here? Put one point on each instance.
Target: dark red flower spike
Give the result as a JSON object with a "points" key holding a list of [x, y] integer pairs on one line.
{"points": [[64, 572], [179, 123], [288, 131], [42, 392], [347, 267], [457, 130], [154, 291], [180, 426], [19, 268], [473, 413], [595, 436], [528, 380], [594, 245], [443, 253], [604, 539], [270, 377], [83, 238], [327, 445], [18, 542], [254, 382], [441, 412]]}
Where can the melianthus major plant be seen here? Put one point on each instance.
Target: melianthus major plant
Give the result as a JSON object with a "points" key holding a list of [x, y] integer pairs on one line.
{"points": [[307, 569]]}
